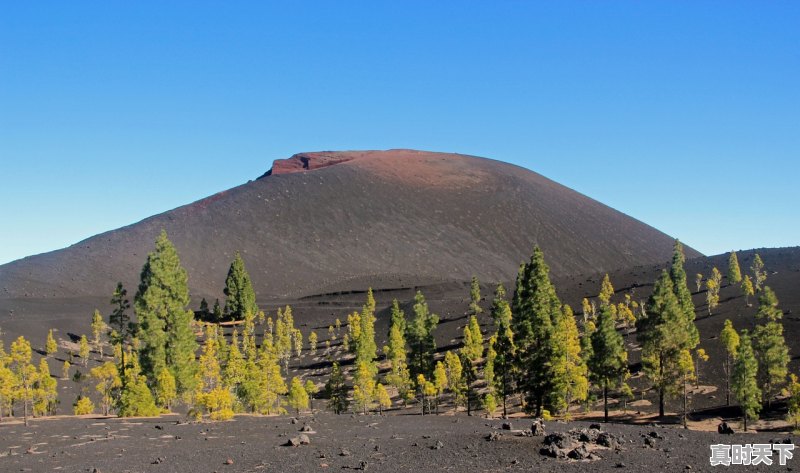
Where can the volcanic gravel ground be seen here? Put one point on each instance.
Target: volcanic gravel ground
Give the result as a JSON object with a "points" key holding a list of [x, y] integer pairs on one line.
{"points": [[390, 443]]}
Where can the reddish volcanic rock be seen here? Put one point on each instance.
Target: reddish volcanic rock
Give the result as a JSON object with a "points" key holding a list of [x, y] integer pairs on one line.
{"points": [[307, 162]]}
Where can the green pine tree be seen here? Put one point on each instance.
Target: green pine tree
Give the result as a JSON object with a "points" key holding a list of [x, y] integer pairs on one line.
{"points": [[503, 346], [420, 338], [336, 390], [570, 369], [745, 384], [240, 297], [770, 347], [608, 363], [684, 295], [166, 335], [730, 341], [536, 307], [474, 297], [663, 334]]}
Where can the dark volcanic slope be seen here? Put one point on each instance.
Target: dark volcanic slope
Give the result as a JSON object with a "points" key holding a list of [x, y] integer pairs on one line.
{"points": [[329, 221]]}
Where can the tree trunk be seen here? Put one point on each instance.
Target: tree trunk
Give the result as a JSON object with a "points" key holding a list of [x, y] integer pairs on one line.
{"points": [[605, 402], [727, 380], [661, 402], [684, 404]]}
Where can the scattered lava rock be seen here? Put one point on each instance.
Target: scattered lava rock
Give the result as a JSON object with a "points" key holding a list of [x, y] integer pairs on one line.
{"points": [[579, 453], [537, 429], [494, 436], [438, 445], [506, 426]]}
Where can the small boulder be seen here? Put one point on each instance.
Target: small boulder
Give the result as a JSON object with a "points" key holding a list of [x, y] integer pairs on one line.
{"points": [[438, 445], [537, 428], [579, 453], [494, 436], [558, 439], [506, 426], [595, 426], [605, 439], [304, 440], [552, 451]]}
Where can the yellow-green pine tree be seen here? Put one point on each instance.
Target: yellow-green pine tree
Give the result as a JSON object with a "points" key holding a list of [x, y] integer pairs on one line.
{"points": [[298, 397], [108, 381], [50, 347]]}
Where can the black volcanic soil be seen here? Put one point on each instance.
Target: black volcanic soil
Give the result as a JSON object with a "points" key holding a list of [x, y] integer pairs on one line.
{"points": [[392, 443], [344, 220]]}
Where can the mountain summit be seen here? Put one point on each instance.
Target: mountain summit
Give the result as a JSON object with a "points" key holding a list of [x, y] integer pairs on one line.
{"points": [[331, 221]]}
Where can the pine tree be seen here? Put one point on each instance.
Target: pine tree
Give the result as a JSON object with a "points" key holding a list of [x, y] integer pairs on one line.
{"points": [[439, 382], [490, 404], [455, 377], [420, 337], [312, 343], [135, 399], [240, 297], [712, 294], [24, 372], [203, 313], [536, 307], [284, 329], [217, 314], [65, 370], [399, 377], [678, 276], [50, 347], [165, 389], [83, 350], [45, 391], [503, 347], [166, 335], [211, 395], [734, 273], [363, 387], [8, 383], [794, 402], [686, 370], [759, 275], [122, 327], [606, 291], [747, 290], [473, 339], [770, 347], [235, 368], [663, 334], [298, 397], [98, 328], [587, 310], [83, 406], [382, 398], [336, 390], [745, 384], [570, 370], [609, 360], [469, 377], [730, 341], [311, 389], [366, 348], [108, 383], [474, 297]]}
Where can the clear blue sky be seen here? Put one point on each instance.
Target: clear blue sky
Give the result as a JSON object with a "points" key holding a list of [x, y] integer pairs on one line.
{"points": [[685, 115]]}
